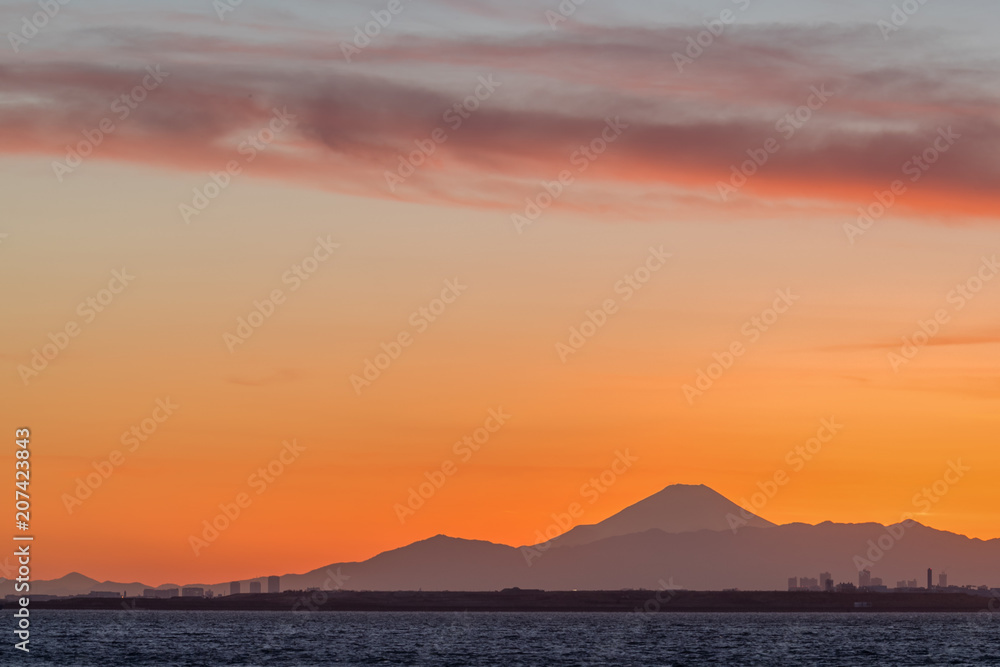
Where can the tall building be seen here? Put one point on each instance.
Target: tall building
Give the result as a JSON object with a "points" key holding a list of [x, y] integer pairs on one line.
{"points": [[809, 582], [943, 580], [255, 587], [864, 578], [826, 581], [274, 584], [793, 583], [234, 588], [930, 578], [875, 581]]}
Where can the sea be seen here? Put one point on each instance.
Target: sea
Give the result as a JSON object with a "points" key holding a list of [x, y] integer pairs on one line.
{"points": [[277, 639]]}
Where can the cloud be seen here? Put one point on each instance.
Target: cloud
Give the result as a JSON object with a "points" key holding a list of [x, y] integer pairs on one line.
{"points": [[988, 338], [686, 132]]}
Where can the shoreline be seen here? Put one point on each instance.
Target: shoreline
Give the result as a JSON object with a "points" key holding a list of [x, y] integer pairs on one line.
{"points": [[546, 601]]}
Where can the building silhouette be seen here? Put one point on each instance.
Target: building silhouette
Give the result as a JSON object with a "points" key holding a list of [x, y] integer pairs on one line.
{"points": [[274, 584], [930, 579], [793, 583], [826, 581], [943, 580], [161, 593], [864, 578], [255, 587], [234, 588], [193, 592]]}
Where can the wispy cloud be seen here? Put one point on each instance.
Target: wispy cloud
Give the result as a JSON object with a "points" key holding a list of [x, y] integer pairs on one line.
{"points": [[685, 133]]}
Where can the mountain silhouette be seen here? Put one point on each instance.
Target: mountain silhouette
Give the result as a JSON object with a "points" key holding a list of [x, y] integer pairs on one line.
{"points": [[680, 508], [681, 536]]}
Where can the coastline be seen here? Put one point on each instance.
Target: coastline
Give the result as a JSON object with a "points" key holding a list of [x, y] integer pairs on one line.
{"points": [[631, 601]]}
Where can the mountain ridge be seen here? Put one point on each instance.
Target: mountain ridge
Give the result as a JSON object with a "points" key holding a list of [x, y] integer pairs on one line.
{"points": [[682, 534]]}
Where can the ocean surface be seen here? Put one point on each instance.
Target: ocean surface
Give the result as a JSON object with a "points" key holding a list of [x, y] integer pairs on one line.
{"points": [[277, 639]]}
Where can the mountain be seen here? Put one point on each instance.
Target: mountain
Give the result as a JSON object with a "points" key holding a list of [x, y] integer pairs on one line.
{"points": [[680, 536], [680, 508], [749, 559]]}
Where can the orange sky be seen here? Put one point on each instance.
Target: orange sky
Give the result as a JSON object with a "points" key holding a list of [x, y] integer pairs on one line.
{"points": [[493, 348], [294, 297]]}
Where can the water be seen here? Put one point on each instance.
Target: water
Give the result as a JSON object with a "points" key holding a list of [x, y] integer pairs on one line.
{"points": [[277, 639]]}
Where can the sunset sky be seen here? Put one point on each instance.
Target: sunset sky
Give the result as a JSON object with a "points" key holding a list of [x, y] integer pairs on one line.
{"points": [[233, 154]]}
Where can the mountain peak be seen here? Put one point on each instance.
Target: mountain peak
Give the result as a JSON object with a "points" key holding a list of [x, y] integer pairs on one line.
{"points": [[678, 508]]}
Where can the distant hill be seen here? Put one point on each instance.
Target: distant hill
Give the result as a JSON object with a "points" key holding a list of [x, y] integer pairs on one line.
{"points": [[750, 559]]}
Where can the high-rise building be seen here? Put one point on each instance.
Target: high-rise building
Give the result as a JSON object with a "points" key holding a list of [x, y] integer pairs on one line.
{"points": [[274, 584], [864, 578], [234, 588], [911, 583], [875, 581], [943, 580], [793, 583], [809, 582], [255, 587], [826, 581], [930, 578]]}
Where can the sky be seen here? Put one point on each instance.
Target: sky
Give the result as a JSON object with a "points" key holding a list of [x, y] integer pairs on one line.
{"points": [[335, 292]]}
